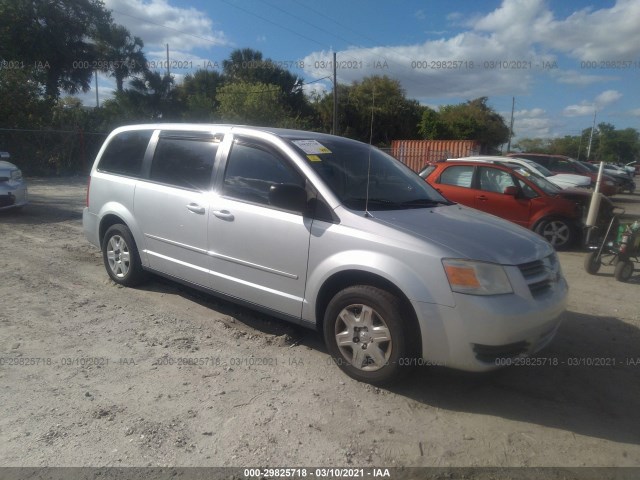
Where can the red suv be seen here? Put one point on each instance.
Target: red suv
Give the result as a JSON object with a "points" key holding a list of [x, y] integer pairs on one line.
{"points": [[564, 164], [527, 200]]}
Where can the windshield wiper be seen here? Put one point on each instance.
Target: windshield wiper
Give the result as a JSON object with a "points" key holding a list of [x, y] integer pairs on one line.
{"points": [[424, 202]]}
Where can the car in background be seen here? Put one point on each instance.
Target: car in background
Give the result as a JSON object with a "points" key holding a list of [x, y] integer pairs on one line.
{"points": [[633, 168], [564, 164], [531, 201], [562, 180], [623, 179], [13, 188]]}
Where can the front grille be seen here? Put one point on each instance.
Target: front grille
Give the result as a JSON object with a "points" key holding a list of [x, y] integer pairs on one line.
{"points": [[492, 353], [541, 275]]}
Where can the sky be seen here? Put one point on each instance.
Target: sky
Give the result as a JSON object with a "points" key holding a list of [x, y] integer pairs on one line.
{"points": [[562, 60]]}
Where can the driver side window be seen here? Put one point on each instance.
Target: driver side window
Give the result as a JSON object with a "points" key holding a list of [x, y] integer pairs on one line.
{"points": [[495, 180], [251, 170]]}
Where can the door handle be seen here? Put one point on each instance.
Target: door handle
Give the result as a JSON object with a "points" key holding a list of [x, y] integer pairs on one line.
{"points": [[195, 208], [224, 214], [481, 198]]}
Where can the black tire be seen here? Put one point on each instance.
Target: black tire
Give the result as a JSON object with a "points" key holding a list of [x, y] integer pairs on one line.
{"points": [[624, 270], [592, 263], [559, 232], [379, 361], [120, 256]]}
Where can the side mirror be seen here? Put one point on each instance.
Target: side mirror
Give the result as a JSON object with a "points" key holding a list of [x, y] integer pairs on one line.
{"points": [[513, 191], [288, 197]]}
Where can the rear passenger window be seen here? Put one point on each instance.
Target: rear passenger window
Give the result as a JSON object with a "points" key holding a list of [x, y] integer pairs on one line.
{"points": [[185, 163], [459, 176], [251, 170], [125, 153]]}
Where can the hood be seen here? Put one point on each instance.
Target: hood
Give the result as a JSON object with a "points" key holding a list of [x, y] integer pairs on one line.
{"points": [[7, 167], [469, 233], [570, 179]]}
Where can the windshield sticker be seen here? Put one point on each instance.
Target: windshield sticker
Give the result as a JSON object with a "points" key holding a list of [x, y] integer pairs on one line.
{"points": [[314, 158], [311, 147]]}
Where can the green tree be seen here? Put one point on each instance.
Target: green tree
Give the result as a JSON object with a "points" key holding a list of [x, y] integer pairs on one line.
{"points": [[55, 37], [394, 115], [248, 66], [121, 54], [21, 101], [148, 98], [475, 120], [431, 126], [251, 103], [198, 92]]}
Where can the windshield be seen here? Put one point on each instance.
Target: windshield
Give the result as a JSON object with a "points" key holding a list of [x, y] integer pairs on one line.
{"points": [[542, 183], [345, 165], [543, 170]]}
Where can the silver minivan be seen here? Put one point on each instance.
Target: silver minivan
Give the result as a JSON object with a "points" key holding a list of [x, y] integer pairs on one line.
{"points": [[329, 233]]}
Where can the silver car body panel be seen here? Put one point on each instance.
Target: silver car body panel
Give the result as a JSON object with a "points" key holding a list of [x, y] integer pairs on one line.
{"points": [[12, 190]]}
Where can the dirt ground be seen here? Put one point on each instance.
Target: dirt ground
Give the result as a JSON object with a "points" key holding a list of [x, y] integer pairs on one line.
{"points": [[93, 374]]}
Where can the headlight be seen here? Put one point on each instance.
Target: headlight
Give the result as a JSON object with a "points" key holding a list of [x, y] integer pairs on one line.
{"points": [[16, 174], [476, 278]]}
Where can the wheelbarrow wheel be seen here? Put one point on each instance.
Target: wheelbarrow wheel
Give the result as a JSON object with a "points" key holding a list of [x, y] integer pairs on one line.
{"points": [[592, 263], [624, 270]]}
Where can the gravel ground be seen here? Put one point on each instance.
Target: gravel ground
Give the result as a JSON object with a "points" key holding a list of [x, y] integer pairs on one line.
{"points": [[93, 374]]}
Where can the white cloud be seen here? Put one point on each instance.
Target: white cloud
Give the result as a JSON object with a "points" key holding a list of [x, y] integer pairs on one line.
{"points": [[578, 110], [574, 77], [186, 28], [634, 113], [606, 98], [600, 35], [534, 123], [517, 31], [600, 102]]}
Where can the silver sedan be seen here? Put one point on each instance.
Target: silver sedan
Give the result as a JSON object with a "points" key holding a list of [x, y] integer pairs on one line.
{"points": [[13, 188]]}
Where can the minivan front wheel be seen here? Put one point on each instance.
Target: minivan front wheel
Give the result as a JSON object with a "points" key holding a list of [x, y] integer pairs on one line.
{"points": [[121, 258], [365, 336]]}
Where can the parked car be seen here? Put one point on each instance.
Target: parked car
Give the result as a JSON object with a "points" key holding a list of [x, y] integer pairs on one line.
{"points": [[556, 214], [329, 233], [562, 180], [623, 180], [633, 168], [13, 188], [563, 164]]}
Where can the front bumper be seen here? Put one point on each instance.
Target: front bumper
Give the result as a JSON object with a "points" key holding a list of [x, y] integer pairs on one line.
{"points": [[480, 332], [13, 196]]}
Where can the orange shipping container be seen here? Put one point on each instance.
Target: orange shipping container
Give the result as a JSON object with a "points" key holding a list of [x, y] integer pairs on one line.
{"points": [[417, 153]]}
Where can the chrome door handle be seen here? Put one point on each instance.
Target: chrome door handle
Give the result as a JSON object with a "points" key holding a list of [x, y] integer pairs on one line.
{"points": [[195, 208], [224, 214]]}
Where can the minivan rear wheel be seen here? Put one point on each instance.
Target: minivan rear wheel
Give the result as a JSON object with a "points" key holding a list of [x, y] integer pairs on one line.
{"points": [[121, 258], [364, 335]]}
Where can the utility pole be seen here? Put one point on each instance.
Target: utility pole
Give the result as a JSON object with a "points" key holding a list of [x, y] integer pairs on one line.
{"points": [[335, 96], [168, 71], [97, 98], [513, 106], [591, 135]]}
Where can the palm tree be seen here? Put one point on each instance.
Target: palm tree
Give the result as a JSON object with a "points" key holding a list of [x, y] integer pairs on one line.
{"points": [[122, 55]]}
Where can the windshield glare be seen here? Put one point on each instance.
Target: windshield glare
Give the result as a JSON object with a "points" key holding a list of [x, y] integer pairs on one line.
{"points": [[542, 183], [345, 165]]}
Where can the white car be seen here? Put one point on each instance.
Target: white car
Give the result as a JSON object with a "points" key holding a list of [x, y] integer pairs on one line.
{"points": [[562, 180], [13, 189]]}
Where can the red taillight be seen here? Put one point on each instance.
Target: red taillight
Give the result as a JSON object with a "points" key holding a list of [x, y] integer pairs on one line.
{"points": [[88, 186]]}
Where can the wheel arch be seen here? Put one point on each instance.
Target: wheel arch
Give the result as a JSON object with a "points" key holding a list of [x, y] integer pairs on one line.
{"points": [[347, 278]]}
